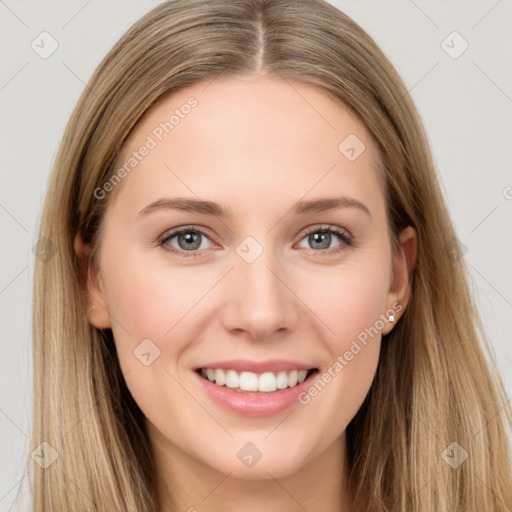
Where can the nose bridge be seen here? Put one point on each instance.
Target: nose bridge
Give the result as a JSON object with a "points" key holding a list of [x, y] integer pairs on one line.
{"points": [[260, 301]]}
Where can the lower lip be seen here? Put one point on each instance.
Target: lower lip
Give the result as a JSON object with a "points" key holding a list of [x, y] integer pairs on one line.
{"points": [[255, 404]]}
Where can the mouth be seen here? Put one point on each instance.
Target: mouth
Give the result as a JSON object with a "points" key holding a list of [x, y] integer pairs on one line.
{"points": [[246, 387], [256, 383]]}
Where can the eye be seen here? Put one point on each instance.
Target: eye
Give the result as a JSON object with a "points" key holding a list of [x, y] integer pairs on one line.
{"points": [[189, 240], [321, 237]]}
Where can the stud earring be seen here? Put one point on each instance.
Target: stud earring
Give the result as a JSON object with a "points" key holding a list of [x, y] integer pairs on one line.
{"points": [[391, 318], [92, 308]]}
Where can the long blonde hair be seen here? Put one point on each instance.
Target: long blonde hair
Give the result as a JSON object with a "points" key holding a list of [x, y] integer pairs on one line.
{"points": [[436, 382]]}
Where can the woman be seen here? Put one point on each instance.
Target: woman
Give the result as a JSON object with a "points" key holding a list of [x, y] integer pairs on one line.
{"points": [[257, 371]]}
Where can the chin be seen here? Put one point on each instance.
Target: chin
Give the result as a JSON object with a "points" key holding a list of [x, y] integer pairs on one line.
{"points": [[259, 460]]}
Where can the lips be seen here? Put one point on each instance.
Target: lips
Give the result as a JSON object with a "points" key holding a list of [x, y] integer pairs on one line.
{"points": [[246, 365], [252, 388]]}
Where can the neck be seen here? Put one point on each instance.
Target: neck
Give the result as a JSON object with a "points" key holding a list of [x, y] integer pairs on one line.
{"points": [[186, 484]]}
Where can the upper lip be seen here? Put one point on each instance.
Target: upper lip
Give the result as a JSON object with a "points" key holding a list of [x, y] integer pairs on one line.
{"points": [[246, 365]]}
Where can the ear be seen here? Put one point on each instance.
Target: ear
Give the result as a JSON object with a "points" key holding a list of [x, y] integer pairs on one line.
{"points": [[93, 297], [401, 275]]}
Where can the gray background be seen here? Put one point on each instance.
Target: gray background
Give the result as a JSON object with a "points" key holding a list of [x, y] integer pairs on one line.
{"points": [[465, 103]]}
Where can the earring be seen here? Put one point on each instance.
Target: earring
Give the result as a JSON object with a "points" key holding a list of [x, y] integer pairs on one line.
{"points": [[391, 318], [91, 308]]}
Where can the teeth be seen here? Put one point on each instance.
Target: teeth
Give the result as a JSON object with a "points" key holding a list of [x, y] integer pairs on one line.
{"points": [[282, 380], [220, 377], [232, 379], [267, 382], [248, 381]]}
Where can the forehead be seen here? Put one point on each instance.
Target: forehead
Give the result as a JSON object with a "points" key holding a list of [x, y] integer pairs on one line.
{"points": [[248, 135]]}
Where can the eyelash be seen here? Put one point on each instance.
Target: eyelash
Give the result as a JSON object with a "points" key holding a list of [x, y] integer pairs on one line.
{"points": [[343, 235]]}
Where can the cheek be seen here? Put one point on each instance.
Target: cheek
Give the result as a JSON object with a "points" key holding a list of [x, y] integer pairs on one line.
{"points": [[154, 312], [350, 301], [151, 302]]}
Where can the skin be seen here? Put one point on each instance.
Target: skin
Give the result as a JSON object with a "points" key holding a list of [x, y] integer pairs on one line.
{"points": [[257, 146]]}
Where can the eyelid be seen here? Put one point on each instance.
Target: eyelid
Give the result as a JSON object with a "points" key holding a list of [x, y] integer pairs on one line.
{"points": [[327, 227], [169, 233]]}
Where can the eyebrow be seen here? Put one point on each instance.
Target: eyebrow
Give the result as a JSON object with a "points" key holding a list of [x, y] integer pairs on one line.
{"points": [[211, 208]]}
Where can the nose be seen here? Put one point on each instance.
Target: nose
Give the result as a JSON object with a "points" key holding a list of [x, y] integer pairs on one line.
{"points": [[261, 302]]}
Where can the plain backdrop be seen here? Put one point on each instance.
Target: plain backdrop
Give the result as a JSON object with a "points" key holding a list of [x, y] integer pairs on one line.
{"points": [[463, 95]]}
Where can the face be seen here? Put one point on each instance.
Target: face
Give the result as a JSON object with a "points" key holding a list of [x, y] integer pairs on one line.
{"points": [[248, 327]]}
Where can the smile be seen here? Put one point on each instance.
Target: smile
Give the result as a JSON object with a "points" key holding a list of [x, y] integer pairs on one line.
{"points": [[255, 388], [246, 381]]}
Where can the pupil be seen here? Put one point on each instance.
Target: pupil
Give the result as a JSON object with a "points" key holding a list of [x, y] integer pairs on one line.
{"points": [[190, 238], [321, 238]]}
